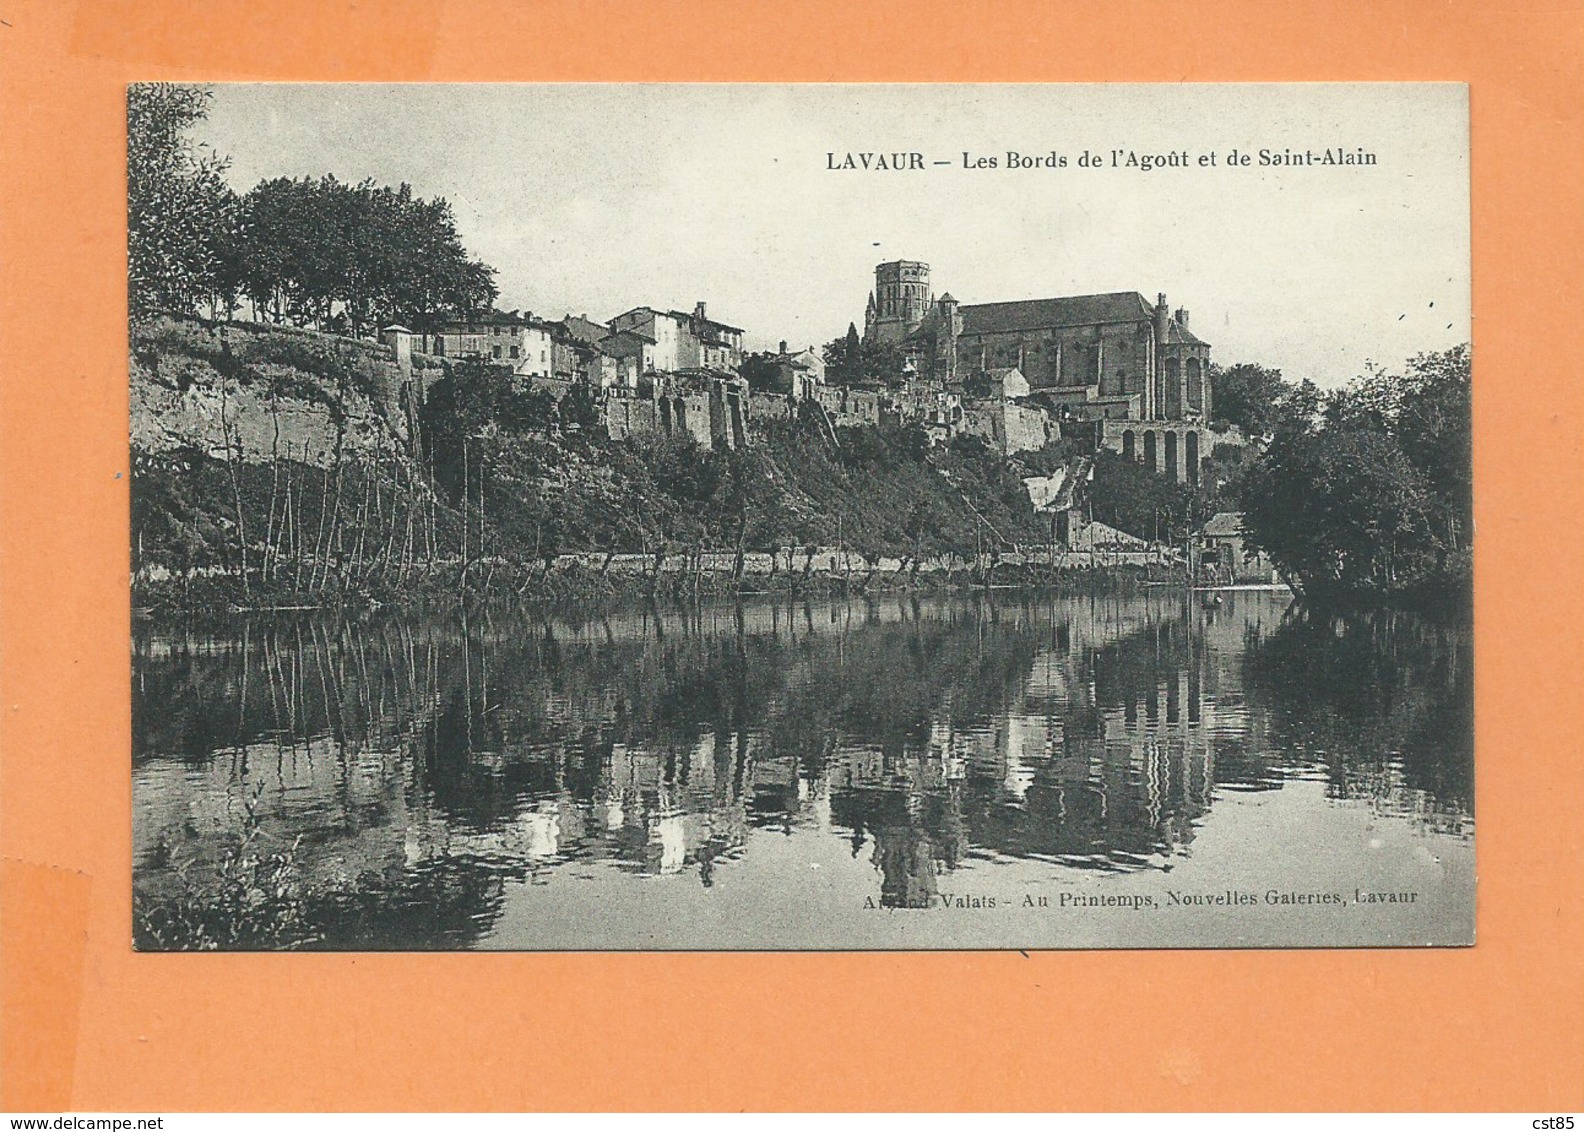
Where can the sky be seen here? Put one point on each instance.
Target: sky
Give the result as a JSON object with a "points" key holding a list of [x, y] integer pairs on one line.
{"points": [[597, 198]]}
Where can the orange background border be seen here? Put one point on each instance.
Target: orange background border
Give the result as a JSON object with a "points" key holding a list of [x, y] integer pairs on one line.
{"points": [[91, 1026]]}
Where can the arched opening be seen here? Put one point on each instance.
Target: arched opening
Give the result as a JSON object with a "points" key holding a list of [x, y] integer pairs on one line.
{"points": [[1195, 385], [1149, 451], [1191, 451], [1172, 468], [1173, 390], [1129, 445]]}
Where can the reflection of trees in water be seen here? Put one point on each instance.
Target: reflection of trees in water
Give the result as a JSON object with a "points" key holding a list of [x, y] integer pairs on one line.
{"points": [[1384, 700], [1086, 731], [442, 904], [915, 836]]}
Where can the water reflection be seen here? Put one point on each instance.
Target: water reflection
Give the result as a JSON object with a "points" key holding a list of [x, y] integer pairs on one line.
{"points": [[435, 766]]}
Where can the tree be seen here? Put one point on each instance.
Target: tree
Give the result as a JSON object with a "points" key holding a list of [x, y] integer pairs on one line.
{"points": [[579, 409], [179, 209], [748, 508], [764, 374], [1366, 495], [1146, 504], [328, 253], [1340, 510], [1247, 395], [473, 400], [1435, 426], [850, 360]]}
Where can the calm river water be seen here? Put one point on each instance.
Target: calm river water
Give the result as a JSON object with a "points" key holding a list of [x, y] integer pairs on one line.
{"points": [[971, 771]]}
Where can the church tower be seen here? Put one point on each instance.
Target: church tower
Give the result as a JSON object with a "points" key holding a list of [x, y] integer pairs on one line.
{"points": [[900, 301]]}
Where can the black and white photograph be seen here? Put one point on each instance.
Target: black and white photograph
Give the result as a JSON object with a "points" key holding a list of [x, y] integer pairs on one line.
{"points": [[722, 517]]}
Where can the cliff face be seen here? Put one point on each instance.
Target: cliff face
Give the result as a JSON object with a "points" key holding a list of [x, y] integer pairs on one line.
{"points": [[267, 392]]}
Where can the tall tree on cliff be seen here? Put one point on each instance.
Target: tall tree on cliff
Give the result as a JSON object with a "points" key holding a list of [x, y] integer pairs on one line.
{"points": [[352, 257], [852, 353], [179, 209]]}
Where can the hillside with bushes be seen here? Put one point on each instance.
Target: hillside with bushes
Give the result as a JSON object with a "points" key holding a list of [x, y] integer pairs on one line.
{"points": [[277, 466]]}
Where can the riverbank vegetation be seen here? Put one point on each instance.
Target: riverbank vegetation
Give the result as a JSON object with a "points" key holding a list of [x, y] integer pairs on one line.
{"points": [[1364, 495]]}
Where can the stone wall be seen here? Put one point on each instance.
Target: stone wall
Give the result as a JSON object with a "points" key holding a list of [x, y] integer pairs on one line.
{"points": [[690, 413], [1007, 426], [1115, 359], [626, 417], [258, 391], [1175, 448], [769, 407]]}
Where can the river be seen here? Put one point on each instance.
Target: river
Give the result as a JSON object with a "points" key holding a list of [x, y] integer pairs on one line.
{"points": [[996, 770]]}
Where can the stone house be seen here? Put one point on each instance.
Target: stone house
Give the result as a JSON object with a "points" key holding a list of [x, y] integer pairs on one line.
{"points": [[801, 373], [633, 353], [511, 339], [1003, 384], [1007, 426], [1227, 555], [853, 406], [683, 341], [937, 409]]}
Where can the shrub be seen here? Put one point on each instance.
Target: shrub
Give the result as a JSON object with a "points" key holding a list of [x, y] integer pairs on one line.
{"points": [[252, 900]]}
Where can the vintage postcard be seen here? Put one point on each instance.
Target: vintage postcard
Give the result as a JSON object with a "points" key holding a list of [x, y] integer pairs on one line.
{"points": [[800, 517]]}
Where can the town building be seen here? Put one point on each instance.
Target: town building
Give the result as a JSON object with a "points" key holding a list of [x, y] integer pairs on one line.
{"points": [[1132, 371], [800, 372], [853, 406], [633, 352], [1004, 421], [683, 341], [511, 339], [1226, 555]]}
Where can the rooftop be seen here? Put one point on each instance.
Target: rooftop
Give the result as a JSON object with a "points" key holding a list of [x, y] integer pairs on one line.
{"points": [[1075, 310], [1225, 524], [701, 319], [1177, 332]]}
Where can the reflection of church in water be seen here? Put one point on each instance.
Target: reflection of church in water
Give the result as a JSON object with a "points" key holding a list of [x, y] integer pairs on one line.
{"points": [[1102, 758]]}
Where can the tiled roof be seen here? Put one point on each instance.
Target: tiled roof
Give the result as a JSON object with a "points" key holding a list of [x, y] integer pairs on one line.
{"points": [[489, 318], [1225, 524], [638, 334], [1035, 314], [697, 321], [1177, 332], [583, 329]]}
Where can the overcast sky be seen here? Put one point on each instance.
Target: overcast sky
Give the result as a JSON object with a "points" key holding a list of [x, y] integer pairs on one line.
{"points": [[600, 198]]}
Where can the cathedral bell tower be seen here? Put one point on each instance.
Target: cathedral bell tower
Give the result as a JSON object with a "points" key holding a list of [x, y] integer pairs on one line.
{"points": [[900, 301]]}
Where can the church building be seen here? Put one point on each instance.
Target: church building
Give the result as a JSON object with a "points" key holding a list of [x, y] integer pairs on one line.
{"points": [[1131, 367]]}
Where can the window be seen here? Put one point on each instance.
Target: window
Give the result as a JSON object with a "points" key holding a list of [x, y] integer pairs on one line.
{"points": [[514, 351], [494, 351]]}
